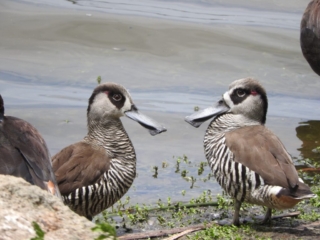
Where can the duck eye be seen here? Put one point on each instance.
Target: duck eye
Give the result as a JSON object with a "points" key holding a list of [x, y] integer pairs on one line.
{"points": [[117, 97], [241, 92]]}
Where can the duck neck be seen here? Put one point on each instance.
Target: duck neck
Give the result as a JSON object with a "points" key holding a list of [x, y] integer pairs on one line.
{"points": [[228, 122], [112, 136]]}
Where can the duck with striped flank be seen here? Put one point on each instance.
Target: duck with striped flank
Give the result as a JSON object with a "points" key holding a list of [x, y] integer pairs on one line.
{"points": [[97, 171], [249, 161], [24, 153]]}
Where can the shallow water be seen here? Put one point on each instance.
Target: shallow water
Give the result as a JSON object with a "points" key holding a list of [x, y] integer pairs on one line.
{"points": [[51, 53]]}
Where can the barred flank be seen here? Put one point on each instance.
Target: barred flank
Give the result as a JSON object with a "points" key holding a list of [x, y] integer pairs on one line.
{"points": [[93, 199], [90, 200], [237, 180]]}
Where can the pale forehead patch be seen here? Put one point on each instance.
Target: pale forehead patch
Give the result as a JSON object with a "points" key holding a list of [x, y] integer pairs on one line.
{"points": [[129, 96], [227, 99], [244, 82], [127, 105]]}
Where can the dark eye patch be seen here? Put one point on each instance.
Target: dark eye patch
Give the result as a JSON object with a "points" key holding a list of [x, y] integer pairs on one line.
{"points": [[117, 99], [110, 91], [240, 92], [239, 95]]}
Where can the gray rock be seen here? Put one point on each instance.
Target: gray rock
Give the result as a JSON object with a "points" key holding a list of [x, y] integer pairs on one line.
{"points": [[22, 203]]}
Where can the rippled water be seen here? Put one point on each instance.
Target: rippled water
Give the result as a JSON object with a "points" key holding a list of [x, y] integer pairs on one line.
{"points": [[172, 56], [285, 14]]}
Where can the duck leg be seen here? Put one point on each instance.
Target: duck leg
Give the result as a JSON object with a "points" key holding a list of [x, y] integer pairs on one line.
{"points": [[267, 217], [237, 205]]}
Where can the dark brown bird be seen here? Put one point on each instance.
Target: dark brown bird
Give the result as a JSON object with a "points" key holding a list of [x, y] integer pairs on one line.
{"points": [[248, 160], [24, 153], [310, 35], [96, 172]]}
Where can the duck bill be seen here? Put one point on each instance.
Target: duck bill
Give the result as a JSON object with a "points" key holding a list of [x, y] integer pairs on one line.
{"points": [[197, 118], [153, 127]]}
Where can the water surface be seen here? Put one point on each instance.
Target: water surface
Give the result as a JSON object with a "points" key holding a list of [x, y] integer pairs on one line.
{"points": [[172, 56]]}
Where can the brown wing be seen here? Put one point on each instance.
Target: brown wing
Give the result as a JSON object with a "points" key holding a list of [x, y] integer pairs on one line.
{"points": [[24, 153], [79, 165], [310, 35], [260, 150]]}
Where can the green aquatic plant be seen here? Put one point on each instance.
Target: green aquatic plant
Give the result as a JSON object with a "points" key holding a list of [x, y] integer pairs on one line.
{"points": [[312, 215], [201, 167], [190, 179], [315, 202], [155, 170], [39, 232], [108, 231], [178, 165], [139, 214], [165, 164], [99, 79], [224, 202], [231, 232], [184, 173], [161, 219], [185, 159], [218, 232]]}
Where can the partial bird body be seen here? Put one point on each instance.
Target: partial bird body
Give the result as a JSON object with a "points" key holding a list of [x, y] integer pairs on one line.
{"points": [[310, 35], [249, 162], [96, 172], [24, 153]]}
